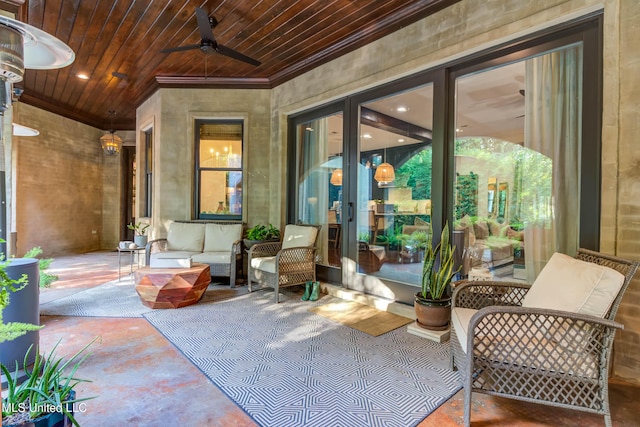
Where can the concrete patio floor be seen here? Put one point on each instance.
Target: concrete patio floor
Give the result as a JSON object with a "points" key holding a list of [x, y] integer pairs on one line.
{"points": [[140, 379]]}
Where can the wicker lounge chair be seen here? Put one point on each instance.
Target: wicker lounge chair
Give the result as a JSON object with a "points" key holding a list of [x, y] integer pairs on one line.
{"points": [[287, 263], [505, 342]]}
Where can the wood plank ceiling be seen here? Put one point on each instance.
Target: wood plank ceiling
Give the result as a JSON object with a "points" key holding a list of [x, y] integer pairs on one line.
{"points": [[118, 42]]}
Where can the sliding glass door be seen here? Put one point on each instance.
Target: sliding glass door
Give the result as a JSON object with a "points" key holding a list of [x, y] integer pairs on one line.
{"points": [[503, 146], [393, 197]]}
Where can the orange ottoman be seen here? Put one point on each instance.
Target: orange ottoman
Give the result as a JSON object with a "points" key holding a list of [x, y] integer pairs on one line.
{"points": [[172, 287]]}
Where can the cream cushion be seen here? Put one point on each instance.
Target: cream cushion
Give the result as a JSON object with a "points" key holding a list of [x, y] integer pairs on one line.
{"points": [[267, 264], [221, 237], [185, 237], [569, 284], [212, 257], [460, 318], [298, 236]]}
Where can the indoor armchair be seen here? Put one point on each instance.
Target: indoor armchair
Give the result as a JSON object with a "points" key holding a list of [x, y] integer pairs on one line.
{"points": [[287, 263], [547, 343]]}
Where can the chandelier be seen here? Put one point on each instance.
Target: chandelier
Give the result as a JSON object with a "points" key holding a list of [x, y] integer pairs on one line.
{"points": [[111, 143]]}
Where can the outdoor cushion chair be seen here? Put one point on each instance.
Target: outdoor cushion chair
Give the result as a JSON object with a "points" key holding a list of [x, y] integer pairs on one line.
{"points": [[287, 263], [547, 343]]}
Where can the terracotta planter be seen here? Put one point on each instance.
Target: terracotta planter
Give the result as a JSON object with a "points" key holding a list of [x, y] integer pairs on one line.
{"points": [[433, 314]]}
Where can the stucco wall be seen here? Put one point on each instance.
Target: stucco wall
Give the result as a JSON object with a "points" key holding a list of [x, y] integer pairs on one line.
{"points": [[470, 26], [174, 111], [61, 185]]}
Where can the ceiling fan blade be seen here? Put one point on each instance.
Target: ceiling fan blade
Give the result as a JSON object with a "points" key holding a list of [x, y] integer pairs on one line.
{"points": [[227, 51], [180, 48], [206, 33]]}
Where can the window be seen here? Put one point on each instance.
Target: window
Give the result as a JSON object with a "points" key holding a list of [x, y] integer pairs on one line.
{"points": [[148, 173], [219, 145]]}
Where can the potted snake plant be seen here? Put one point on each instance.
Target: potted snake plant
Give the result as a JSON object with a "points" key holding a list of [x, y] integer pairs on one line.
{"points": [[433, 302]]}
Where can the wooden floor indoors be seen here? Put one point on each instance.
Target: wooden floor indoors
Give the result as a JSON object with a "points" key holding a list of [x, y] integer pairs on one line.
{"points": [[140, 379]]}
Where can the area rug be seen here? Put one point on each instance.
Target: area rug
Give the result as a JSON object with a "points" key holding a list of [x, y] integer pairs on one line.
{"points": [[286, 366], [361, 317], [117, 299]]}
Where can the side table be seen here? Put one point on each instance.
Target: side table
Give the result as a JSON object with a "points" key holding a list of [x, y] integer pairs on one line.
{"points": [[133, 253], [172, 287]]}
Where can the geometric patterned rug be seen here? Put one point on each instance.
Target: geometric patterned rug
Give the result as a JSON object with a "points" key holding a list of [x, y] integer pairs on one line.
{"points": [[112, 299], [118, 299], [286, 366]]}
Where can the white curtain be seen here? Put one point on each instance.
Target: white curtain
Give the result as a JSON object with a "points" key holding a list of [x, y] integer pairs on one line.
{"points": [[314, 182], [553, 114]]}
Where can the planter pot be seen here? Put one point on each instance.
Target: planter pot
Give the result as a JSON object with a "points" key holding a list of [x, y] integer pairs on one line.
{"points": [[24, 306], [140, 241], [248, 243], [433, 314]]}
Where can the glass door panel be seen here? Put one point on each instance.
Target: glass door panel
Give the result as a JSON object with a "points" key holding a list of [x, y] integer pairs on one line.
{"points": [[517, 169], [320, 183], [393, 220]]}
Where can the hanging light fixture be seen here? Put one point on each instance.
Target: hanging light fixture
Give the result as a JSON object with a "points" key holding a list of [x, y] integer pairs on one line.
{"points": [[110, 142], [385, 172], [336, 177]]}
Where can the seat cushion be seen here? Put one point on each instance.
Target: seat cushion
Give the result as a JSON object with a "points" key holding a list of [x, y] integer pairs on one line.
{"points": [[460, 318], [173, 254], [184, 236], [223, 257], [569, 284], [296, 236], [267, 264]]}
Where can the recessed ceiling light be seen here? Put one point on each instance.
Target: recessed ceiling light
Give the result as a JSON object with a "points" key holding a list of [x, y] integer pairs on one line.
{"points": [[401, 140], [459, 130], [402, 109], [82, 76], [367, 135]]}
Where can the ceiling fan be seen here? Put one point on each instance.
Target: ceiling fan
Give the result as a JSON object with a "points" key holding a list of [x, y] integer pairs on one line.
{"points": [[208, 43]]}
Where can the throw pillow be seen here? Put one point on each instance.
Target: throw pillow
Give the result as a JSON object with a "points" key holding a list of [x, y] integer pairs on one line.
{"points": [[569, 284]]}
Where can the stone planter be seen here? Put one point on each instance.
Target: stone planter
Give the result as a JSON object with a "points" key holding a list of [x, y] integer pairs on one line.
{"points": [[24, 307]]}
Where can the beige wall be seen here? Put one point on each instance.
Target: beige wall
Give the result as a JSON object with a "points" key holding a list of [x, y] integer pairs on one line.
{"points": [[173, 113], [66, 192], [473, 25]]}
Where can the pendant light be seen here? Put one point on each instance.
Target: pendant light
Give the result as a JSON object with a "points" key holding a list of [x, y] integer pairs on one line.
{"points": [[336, 177], [110, 142], [385, 172]]}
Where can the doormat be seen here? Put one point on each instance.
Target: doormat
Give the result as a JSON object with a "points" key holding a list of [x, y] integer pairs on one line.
{"points": [[361, 317]]}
